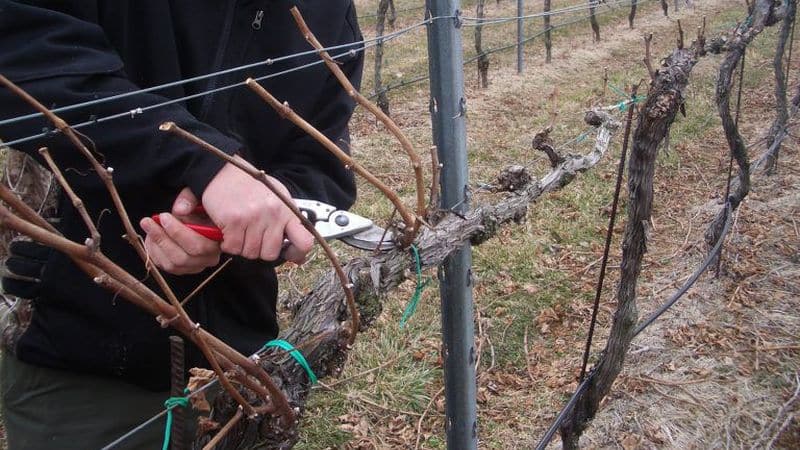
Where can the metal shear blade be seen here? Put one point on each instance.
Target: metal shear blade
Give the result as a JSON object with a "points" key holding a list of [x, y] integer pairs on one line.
{"points": [[331, 223], [352, 229]]}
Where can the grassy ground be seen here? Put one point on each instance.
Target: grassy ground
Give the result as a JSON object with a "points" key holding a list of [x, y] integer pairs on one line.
{"points": [[712, 374], [534, 282]]}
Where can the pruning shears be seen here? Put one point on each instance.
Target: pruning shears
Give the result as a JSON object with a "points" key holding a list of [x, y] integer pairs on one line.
{"points": [[331, 223]]}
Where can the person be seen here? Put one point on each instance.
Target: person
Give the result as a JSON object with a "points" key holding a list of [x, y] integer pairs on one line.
{"points": [[80, 367]]}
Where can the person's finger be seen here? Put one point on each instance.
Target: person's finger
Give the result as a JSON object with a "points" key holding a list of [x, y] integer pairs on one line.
{"points": [[184, 203], [233, 234], [154, 253], [294, 254], [165, 252], [301, 241], [253, 241], [271, 244], [189, 240]]}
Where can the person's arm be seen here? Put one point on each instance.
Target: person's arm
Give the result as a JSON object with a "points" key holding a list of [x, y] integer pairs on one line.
{"points": [[61, 60]]}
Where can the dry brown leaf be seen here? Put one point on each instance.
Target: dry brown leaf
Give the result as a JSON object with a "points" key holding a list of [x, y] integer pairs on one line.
{"points": [[199, 378]]}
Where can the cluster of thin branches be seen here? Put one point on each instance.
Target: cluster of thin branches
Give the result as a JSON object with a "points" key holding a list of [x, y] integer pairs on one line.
{"points": [[233, 370]]}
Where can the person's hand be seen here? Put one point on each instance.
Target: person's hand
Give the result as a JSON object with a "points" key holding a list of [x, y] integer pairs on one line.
{"points": [[253, 220], [174, 247]]}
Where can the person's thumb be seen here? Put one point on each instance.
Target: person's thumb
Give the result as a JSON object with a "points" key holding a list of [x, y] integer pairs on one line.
{"points": [[185, 203]]}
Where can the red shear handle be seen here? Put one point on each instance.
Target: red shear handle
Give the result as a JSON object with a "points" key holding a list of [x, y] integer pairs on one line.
{"points": [[207, 231]]}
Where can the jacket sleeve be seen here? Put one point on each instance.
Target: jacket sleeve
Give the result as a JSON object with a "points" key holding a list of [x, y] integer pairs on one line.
{"points": [[61, 60], [305, 167]]}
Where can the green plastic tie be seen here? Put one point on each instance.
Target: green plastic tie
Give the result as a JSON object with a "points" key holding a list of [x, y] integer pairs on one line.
{"points": [[294, 353], [170, 404], [623, 105], [581, 137], [421, 284], [619, 91]]}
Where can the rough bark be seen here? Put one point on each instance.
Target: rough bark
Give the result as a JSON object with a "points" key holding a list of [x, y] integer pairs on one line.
{"points": [[665, 8], [655, 117], [548, 39], [317, 328], [392, 17], [657, 114], [632, 14], [483, 58], [382, 100], [781, 102], [593, 20], [764, 13]]}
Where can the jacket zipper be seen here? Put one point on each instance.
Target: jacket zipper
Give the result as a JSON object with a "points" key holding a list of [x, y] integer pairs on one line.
{"points": [[219, 59], [257, 19]]}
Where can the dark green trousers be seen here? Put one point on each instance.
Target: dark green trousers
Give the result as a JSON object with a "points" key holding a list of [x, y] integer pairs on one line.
{"points": [[53, 409]]}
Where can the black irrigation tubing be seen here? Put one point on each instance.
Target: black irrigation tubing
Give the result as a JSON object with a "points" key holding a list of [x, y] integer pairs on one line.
{"points": [[548, 436], [690, 282]]}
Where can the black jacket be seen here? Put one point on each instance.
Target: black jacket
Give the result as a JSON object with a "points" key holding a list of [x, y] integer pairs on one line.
{"points": [[67, 52]]}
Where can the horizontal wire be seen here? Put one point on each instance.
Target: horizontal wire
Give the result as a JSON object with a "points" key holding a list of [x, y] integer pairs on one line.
{"points": [[363, 43], [140, 110], [397, 11], [666, 305], [260, 354], [424, 77], [554, 12]]}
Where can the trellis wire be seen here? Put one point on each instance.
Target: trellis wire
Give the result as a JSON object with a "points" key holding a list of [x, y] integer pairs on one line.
{"points": [[356, 45], [548, 436], [424, 77], [554, 12], [353, 46], [714, 253], [398, 11]]}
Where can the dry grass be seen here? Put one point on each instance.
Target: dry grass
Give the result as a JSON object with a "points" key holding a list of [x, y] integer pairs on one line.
{"points": [[713, 373], [718, 371]]}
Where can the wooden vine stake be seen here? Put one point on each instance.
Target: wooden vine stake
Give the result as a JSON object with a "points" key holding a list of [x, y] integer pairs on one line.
{"points": [[483, 58], [380, 90], [548, 38], [593, 20]]}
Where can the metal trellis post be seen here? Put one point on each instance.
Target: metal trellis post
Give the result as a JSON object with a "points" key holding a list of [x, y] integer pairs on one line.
{"points": [[448, 110], [520, 36]]}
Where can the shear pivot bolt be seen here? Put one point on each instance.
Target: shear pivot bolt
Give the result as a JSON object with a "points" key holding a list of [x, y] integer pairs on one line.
{"points": [[342, 220]]}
